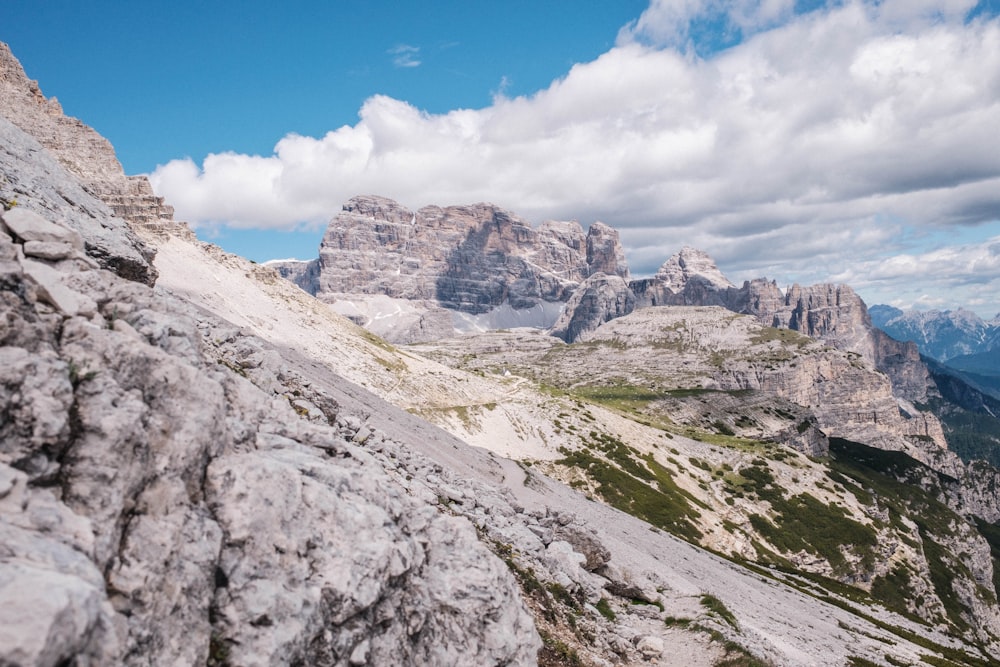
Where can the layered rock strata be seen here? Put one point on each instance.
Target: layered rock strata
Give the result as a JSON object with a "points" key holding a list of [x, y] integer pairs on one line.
{"points": [[31, 179], [470, 259], [91, 159]]}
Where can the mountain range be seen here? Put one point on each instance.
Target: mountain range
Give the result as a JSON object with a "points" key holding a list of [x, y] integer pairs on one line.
{"points": [[526, 457], [941, 335]]}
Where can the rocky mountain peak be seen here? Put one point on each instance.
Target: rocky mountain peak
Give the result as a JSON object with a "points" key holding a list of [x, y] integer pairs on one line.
{"points": [[378, 208], [691, 264], [473, 259], [942, 335], [605, 253]]}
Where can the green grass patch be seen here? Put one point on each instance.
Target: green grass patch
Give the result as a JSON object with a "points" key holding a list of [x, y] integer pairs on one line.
{"points": [[894, 589], [857, 661], [716, 606], [804, 523], [631, 489], [789, 336], [604, 607], [908, 488], [943, 568]]}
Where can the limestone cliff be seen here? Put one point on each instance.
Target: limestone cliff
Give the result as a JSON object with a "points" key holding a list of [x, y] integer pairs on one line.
{"points": [[599, 299], [471, 259]]}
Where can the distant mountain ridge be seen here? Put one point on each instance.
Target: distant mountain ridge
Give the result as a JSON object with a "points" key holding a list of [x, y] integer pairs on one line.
{"points": [[941, 335]]}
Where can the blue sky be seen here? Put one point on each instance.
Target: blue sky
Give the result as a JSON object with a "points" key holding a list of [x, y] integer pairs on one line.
{"points": [[803, 140]]}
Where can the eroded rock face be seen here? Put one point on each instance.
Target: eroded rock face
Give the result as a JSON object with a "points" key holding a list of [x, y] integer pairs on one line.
{"points": [[78, 147], [305, 274], [33, 179], [28, 119], [605, 253], [599, 299], [688, 278], [691, 266], [142, 480], [466, 258], [833, 313]]}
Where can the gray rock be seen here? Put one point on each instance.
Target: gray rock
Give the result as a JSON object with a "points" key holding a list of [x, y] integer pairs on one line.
{"points": [[29, 226], [188, 493], [599, 299], [467, 258], [81, 150], [51, 290], [605, 253], [585, 542], [43, 186], [650, 647], [48, 250]]}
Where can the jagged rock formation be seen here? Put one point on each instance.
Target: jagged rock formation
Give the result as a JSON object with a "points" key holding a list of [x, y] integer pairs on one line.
{"points": [[710, 348], [91, 159], [691, 269], [469, 259], [599, 299], [605, 253], [34, 180]]}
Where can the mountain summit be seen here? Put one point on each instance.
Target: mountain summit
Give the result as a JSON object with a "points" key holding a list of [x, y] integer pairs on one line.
{"points": [[690, 265]]}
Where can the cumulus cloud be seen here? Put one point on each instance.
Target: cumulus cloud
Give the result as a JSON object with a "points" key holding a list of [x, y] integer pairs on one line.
{"points": [[814, 145], [670, 23], [930, 279]]}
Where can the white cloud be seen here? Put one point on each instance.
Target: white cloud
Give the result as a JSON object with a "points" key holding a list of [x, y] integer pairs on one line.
{"points": [[404, 55], [668, 23], [903, 280], [808, 151]]}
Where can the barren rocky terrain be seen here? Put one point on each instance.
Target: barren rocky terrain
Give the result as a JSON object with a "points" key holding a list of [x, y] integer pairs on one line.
{"points": [[200, 463]]}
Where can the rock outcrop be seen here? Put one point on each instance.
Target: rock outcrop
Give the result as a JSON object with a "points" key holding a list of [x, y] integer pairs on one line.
{"points": [[605, 253], [688, 278], [691, 267], [832, 313], [31, 179], [303, 273], [599, 299], [90, 158], [471, 259]]}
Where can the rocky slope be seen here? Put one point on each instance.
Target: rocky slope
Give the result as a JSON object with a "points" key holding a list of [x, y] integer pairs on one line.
{"points": [[709, 386], [142, 480], [91, 158], [161, 463]]}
